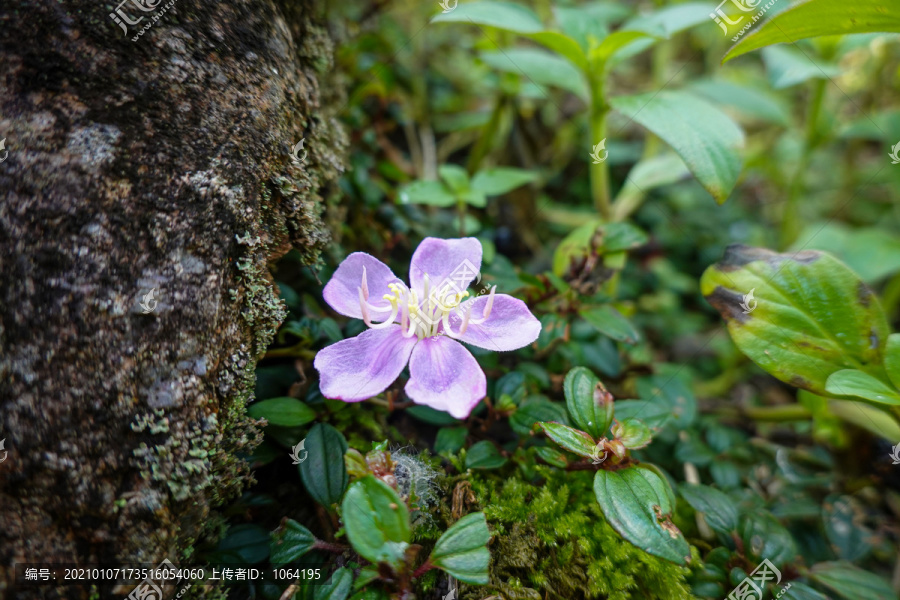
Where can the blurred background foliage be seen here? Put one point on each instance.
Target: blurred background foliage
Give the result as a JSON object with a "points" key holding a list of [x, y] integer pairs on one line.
{"points": [[466, 128]]}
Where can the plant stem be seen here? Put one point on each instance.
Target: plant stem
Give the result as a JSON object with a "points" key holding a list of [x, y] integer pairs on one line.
{"points": [[486, 140], [599, 172]]}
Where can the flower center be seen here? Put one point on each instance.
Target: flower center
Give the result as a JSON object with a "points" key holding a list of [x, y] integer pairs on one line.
{"points": [[423, 318]]}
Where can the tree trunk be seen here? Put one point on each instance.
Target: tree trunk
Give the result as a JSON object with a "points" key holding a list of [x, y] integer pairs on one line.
{"points": [[161, 164]]}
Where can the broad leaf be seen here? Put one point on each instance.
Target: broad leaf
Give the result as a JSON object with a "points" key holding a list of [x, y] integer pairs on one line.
{"points": [[707, 139], [562, 45], [450, 439], [376, 521], [540, 67], [788, 66], [615, 42], [809, 315], [815, 18], [532, 411], [637, 504], [843, 518], [291, 541], [287, 412], [338, 587], [588, 402], [577, 442], [323, 472], [892, 358], [851, 582], [851, 382], [432, 193], [633, 434], [500, 180], [611, 323], [589, 20], [455, 177], [484, 455], [746, 99], [503, 15], [717, 508], [674, 392], [462, 549], [765, 537]]}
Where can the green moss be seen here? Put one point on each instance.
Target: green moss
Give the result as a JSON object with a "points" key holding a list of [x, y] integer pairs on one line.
{"points": [[551, 541]]}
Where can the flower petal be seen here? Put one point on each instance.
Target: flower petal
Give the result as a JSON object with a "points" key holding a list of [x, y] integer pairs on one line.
{"points": [[342, 291], [363, 366], [454, 262], [445, 376], [510, 325]]}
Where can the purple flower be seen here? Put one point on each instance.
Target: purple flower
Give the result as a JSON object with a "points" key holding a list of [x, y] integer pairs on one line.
{"points": [[419, 325]]}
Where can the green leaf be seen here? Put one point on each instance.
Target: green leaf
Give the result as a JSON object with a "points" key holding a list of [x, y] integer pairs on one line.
{"points": [[450, 439], [474, 198], [503, 15], [851, 582], [552, 456], [636, 503], [432, 193], [664, 23], [746, 99], [577, 442], [432, 416], [532, 411], [484, 455], [812, 315], [323, 472], [867, 417], [589, 20], [337, 588], [851, 382], [588, 402], [843, 518], [765, 537], [539, 66], [455, 177], [289, 542], [815, 18], [615, 42], [633, 434], [376, 521], [719, 510], [892, 358], [707, 139], [248, 543], [611, 323], [562, 45], [512, 385], [288, 412], [595, 236], [674, 393], [801, 591], [462, 550], [500, 180], [871, 252], [654, 413], [788, 66]]}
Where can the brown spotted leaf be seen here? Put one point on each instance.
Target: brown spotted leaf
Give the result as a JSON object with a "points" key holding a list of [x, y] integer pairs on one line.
{"points": [[800, 316]]}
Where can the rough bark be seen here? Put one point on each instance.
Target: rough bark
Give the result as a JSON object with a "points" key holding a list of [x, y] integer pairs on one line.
{"points": [[157, 163]]}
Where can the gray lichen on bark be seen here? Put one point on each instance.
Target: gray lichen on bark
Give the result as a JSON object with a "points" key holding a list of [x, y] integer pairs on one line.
{"points": [[161, 163]]}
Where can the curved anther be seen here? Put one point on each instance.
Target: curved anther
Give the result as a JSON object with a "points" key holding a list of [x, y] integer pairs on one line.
{"points": [[364, 307], [462, 328]]}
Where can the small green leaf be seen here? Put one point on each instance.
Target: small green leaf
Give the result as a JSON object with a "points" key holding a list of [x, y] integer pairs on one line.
{"points": [[248, 543], [431, 416], [484, 455], [376, 521], [744, 98], [636, 503], [611, 323], [562, 45], [289, 542], [615, 42], [588, 402], [811, 316], [288, 412], [432, 193], [765, 537], [843, 518], [552, 456], [851, 582], [788, 66], [892, 358], [512, 385], [633, 434], [538, 66], [590, 20], [534, 410], [577, 442], [719, 510], [672, 391], [814, 18], [462, 549], [455, 177], [503, 15], [450, 439], [707, 139], [337, 588], [323, 472], [654, 413], [851, 382]]}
